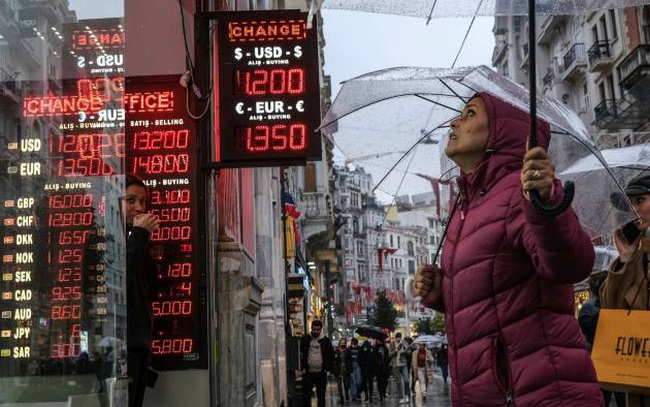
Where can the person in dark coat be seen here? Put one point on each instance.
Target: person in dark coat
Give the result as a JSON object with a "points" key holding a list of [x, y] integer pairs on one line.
{"points": [[353, 366], [588, 320], [382, 367], [140, 269], [442, 359], [341, 370], [368, 369], [507, 271], [317, 358]]}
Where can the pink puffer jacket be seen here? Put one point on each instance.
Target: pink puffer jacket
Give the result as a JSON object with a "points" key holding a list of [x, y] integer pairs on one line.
{"points": [[507, 285]]}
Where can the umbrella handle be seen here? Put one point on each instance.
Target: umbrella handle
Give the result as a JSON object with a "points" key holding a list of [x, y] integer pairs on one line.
{"points": [[569, 188], [542, 208]]}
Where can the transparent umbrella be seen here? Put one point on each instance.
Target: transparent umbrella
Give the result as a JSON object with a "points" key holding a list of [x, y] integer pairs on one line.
{"points": [[462, 8], [591, 179], [429, 9], [389, 122]]}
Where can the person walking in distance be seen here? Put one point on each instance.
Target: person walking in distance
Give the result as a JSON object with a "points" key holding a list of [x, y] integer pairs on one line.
{"points": [[341, 370], [383, 367], [140, 269], [507, 271], [353, 363], [442, 359], [422, 366], [397, 354], [317, 357]]}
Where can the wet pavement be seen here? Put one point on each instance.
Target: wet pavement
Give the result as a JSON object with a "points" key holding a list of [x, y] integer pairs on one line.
{"points": [[438, 395]]}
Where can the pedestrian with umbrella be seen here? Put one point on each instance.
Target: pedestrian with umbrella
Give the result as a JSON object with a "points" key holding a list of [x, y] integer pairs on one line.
{"points": [[507, 273]]}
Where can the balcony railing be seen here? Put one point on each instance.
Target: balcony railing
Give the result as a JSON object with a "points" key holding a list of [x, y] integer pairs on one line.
{"points": [[605, 110], [634, 66], [599, 51], [548, 79], [575, 54]]}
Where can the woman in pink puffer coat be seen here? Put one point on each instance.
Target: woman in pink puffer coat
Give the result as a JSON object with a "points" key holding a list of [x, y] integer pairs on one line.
{"points": [[507, 274]]}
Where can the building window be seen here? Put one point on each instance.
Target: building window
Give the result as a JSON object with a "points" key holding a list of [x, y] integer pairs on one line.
{"points": [[411, 267], [612, 21], [310, 178], [430, 221], [399, 243], [410, 248]]}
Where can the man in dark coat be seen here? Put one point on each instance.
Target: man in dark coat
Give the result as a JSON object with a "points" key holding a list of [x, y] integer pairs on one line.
{"points": [[317, 358]]}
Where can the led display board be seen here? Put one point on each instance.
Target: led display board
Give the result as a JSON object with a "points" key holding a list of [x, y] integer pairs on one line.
{"points": [[160, 145], [62, 281], [268, 78]]}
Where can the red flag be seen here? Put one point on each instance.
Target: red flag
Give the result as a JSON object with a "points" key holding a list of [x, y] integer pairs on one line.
{"points": [[435, 185], [383, 253]]}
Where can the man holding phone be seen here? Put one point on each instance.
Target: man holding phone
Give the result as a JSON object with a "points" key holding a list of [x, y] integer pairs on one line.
{"points": [[627, 283]]}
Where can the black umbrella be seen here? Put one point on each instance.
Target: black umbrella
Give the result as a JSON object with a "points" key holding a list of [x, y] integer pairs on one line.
{"points": [[371, 331]]}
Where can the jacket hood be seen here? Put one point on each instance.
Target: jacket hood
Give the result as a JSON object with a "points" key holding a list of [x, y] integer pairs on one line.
{"points": [[509, 127]]}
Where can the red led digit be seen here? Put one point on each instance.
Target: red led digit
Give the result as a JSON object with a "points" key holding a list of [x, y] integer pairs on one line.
{"points": [[159, 164], [173, 233], [69, 274], [297, 136], [64, 350], [170, 197], [62, 312], [83, 167], [68, 219], [177, 270], [172, 346], [165, 308], [68, 237], [296, 81], [279, 137], [257, 138], [66, 293], [158, 140], [70, 256], [277, 81], [69, 201], [172, 214]]}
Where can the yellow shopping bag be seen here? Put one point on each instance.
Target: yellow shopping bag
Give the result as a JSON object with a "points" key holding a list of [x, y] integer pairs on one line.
{"points": [[621, 351]]}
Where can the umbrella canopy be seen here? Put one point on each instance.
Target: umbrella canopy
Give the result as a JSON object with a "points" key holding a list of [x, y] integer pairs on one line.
{"points": [[458, 8], [469, 8], [429, 340], [389, 122], [371, 331], [600, 204]]}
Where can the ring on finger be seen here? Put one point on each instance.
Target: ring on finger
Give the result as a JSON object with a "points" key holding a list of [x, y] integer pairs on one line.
{"points": [[536, 174]]}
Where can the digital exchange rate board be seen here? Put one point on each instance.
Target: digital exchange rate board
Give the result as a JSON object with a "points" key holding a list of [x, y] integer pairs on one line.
{"points": [[268, 78], [62, 293]]}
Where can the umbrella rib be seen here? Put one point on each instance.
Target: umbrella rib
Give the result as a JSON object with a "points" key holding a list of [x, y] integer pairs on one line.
{"points": [[375, 102], [433, 6], [404, 156], [438, 103], [446, 85]]}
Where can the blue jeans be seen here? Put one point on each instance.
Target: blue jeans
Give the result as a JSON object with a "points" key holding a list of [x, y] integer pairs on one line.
{"points": [[355, 381]]}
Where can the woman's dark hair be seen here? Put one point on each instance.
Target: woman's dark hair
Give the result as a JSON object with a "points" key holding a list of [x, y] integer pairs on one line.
{"points": [[132, 179]]}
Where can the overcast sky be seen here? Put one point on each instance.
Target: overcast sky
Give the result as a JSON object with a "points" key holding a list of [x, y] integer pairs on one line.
{"points": [[357, 43]]}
